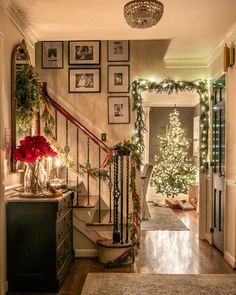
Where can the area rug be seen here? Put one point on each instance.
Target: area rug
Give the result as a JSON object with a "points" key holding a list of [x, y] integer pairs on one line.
{"points": [[162, 219], [146, 284]]}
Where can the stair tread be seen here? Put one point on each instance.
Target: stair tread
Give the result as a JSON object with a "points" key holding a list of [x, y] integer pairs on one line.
{"points": [[83, 201], [105, 218], [109, 244]]}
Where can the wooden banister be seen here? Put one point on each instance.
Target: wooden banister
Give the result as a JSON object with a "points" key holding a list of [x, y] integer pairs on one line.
{"points": [[73, 120]]}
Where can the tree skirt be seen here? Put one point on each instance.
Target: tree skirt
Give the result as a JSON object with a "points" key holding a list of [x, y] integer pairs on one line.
{"points": [[146, 284], [162, 219]]}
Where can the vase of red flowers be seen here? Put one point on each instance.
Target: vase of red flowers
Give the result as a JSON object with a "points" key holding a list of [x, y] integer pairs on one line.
{"points": [[33, 150]]}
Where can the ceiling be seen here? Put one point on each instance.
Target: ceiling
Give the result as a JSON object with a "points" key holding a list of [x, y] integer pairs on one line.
{"points": [[196, 27]]}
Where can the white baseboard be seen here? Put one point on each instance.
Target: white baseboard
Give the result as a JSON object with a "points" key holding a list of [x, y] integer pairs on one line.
{"points": [[208, 237], [230, 259], [86, 253]]}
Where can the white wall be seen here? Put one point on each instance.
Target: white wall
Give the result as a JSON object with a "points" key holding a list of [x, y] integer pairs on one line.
{"points": [[9, 36]]}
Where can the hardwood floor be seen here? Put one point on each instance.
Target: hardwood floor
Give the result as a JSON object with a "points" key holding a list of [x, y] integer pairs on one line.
{"points": [[168, 252]]}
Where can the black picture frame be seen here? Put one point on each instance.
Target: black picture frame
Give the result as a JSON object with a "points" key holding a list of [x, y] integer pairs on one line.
{"points": [[52, 54], [82, 55], [118, 50], [118, 78], [118, 109], [81, 75]]}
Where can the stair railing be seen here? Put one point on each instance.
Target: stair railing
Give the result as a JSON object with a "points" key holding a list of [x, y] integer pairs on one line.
{"points": [[86, 148]]}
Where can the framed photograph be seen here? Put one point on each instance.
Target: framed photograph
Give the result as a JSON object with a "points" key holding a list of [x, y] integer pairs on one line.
{"points": [[52, 54], [84, 80], [118, 110], [118, 50], [118, 79], [84, 52]]}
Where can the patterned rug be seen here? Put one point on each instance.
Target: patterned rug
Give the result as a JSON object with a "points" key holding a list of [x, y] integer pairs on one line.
{"points": [[146, 284], [162, 219]]}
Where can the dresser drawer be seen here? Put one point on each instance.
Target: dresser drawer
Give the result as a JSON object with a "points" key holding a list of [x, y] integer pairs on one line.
{"points": [[64, 205], [64, 251]]}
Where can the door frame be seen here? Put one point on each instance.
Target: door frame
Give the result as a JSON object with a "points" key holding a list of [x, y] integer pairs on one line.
{"points": [[2, 177]]}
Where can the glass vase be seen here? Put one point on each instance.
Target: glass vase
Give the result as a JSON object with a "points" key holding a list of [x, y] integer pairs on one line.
{"points": [[35, 178]]}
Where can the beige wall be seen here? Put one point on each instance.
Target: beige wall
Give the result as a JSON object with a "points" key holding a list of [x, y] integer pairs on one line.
{"points": [[9, 36]]}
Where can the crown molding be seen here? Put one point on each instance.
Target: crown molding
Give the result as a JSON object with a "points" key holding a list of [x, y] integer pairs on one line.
{"points": [[185, 63], [16, 18], [205, 62], [218, 50]]}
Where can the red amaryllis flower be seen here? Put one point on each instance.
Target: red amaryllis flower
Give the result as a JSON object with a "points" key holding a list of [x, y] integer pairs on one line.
{"points": [[33, 147]]}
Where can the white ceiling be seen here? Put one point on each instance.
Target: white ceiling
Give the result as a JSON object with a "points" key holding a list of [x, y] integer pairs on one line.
{"points": [[196, 27]]}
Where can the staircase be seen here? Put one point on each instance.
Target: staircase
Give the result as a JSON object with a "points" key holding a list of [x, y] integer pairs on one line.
{"points": [[101, 207]]}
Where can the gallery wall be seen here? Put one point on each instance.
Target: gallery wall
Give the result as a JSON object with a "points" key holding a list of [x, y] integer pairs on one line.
{"points": [[146, 61]]}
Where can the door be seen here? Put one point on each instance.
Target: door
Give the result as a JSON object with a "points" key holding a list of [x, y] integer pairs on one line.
{"points": [[218, 154]]}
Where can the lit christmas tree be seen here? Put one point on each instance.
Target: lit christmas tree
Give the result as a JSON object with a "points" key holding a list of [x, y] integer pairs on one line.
{"points": [[173, 169]]}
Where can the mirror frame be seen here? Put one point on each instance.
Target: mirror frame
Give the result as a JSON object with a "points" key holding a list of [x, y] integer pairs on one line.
{"points": [[21, 46]]}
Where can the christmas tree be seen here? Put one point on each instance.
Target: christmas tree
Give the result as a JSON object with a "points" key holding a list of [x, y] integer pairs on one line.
{"points": [[173, 169]]}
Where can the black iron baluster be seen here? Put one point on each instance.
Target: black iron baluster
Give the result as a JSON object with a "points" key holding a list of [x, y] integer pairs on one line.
{"points": [[116, 233], [88, 166], [67, 150], [121, 197], [77, 166], [110, 191], [127, 198], [99, 185]]}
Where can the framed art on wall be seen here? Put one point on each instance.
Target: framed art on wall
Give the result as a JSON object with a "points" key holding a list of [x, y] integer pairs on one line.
{"points": [[84, 52], [118, 78], [52, 54], [84, 80], [118, 50], [118, 110]]}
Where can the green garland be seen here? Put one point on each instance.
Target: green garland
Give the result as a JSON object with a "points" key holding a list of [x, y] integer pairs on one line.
{"points": [[169, 86], [128, 147]]}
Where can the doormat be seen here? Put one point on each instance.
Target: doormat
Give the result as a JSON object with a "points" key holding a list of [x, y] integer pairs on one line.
{"points": [[162, 219]]}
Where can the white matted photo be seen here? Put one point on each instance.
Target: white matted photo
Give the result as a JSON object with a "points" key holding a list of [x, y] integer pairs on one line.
{"points": [[118, 110], [52, 54], [118, 78], [84, 52], [118, 50], [84, 80]]}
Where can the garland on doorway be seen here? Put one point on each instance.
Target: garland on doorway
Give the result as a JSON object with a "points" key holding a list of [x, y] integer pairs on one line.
{"points": [[169, 86]]}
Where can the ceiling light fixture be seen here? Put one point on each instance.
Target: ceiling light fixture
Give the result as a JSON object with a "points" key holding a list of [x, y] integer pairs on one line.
{"points": [[143, 14]]}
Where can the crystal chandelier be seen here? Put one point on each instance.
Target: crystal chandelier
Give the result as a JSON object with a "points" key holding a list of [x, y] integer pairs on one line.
{"points": [[142, 14]]}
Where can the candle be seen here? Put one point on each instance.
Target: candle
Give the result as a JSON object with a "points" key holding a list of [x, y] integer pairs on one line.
{"points": [[58, 164], [49, 166]]}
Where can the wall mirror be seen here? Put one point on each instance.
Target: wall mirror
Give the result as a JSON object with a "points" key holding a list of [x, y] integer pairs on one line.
{"points": [[20, 60]]}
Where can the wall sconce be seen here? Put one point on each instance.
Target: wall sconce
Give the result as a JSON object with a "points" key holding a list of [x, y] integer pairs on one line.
{"points": [[229, 56]]}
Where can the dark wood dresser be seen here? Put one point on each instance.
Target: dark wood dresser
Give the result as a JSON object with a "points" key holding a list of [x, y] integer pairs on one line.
{"points": [[39, 243]]}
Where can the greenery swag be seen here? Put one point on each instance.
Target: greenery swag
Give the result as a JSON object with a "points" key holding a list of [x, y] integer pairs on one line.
{"points": [[169, 86]]}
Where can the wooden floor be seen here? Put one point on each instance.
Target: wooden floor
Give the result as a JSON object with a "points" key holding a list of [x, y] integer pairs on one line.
{"points": [[166, 252]]}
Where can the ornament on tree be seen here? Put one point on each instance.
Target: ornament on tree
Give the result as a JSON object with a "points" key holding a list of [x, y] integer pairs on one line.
{"points": [[173, 168]]}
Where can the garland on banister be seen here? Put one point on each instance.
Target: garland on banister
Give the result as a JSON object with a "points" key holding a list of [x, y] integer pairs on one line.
{"points": [[170, 86]]}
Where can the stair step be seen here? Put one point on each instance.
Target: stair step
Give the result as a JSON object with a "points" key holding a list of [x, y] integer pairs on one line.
{"points": [[105, 218], [83, 201]]}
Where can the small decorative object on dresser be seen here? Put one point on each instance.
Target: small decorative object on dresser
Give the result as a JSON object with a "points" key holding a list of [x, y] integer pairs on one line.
{"points": [[118, 50], [33, 151], [52, 54], [84, 52], [39, 243], [84, 80], [118, 78], [118, 110]]}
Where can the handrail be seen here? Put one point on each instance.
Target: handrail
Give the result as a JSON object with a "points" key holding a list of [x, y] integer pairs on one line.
{"points": [[74, 121]]}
